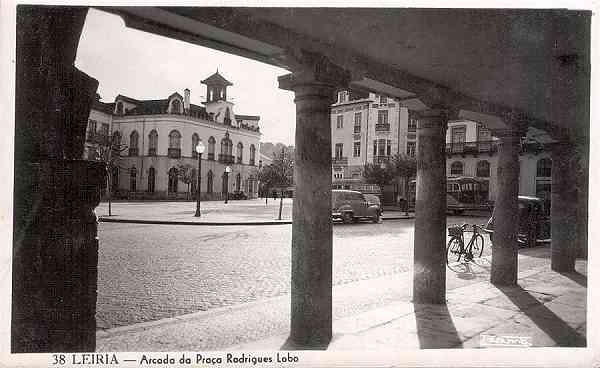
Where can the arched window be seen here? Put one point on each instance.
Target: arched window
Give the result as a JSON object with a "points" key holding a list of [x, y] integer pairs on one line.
{"points": [[173, 180], [176, 107], [483, 169], [119, 108], [544, 168], [226, 155], [132, 179], [116, 140], [134, 138], [174, 144], [151, 179], [456, 168], [238, 182], [252, 154], [240, 151], [195, 140], [152, 143], [211, 148], [115, 179], [209, 182]]}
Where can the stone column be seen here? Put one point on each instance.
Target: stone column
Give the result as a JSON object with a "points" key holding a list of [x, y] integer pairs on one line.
{"points": [[55, 246], [563, 213], [582, 178], [429, 278], [311, 299], [506, 211]]}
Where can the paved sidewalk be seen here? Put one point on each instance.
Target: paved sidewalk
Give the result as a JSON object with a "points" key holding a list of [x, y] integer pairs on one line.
{"points": [[235, 212], [545, 309]]}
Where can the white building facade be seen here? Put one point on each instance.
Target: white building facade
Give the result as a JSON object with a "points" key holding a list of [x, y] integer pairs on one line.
{"points": [[158, 138]]}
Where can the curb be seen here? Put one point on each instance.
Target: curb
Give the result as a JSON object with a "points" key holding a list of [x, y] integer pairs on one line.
{"points": [[247, 223], [162, 222]]}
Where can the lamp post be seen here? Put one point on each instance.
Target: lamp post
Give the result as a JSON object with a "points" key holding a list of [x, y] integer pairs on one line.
{"points": [[227, 171], [200, 150]]}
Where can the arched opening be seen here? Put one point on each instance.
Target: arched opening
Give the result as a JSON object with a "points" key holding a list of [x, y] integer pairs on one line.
{"points": [[209, 182], [134, 138], [238, 182], [133, 180], [211, 148], [173, 180], [239, 153], [151, 179], [152, 143], [195, 140], [174, 144], [483, 169], [456, 168], [252, 154]]}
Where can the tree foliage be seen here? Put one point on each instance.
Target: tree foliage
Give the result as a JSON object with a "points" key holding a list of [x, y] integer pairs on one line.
{"points": [[377, 174], [280, 173]]}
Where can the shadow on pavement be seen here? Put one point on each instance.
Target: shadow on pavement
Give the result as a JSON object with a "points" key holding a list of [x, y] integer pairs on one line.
{"points": [[577, 277], [470, 270], [557, 329], [435, 327]]}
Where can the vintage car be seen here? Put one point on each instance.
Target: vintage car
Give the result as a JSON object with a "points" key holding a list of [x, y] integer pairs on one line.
{"points": [[534, 223], [351, 206]]}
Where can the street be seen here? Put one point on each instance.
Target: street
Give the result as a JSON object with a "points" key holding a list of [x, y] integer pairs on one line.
{"points": [[150, 272]]}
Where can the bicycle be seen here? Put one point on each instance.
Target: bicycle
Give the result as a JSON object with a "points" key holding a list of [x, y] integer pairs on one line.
{"points": [[456, 245]]}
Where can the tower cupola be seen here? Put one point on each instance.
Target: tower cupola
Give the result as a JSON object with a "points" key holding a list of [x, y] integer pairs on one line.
{"points": [[216, 87]]}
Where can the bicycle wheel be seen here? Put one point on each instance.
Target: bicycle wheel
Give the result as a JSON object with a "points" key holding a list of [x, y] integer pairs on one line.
{"points": [[453, 249], [477, 246]]}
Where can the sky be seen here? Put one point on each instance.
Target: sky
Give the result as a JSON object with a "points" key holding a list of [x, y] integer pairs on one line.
{"points": [[146, 66]]}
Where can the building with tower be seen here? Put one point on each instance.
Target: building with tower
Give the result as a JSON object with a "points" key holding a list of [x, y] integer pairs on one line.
{"points": [[157, 139]]}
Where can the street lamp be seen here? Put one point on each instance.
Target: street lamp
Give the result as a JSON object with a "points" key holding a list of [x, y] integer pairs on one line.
{"points": [[227, 171], [200, 150]]}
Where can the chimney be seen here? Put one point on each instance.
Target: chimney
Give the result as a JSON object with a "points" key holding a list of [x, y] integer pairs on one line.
{"points": [[186, 100]]}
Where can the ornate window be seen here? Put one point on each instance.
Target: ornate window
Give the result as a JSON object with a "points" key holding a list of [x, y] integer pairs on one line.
{"points": [[174, 144], [134, 138], [226, 155], [116, 140], [456, 168], [252, 154], [132, 179], [211, 148], [153, 143], [173, 180], [151, 179], [483, 169], [119, 108], [195, 140], [544, 168], [240, 150], [176, 107]]}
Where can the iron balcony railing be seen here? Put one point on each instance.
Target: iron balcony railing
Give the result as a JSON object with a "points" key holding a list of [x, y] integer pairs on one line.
{"points": [[378, 160], [174, 152], [210, 156], [133, 151], [382, 127], [339, 160], [226, 159], [471, 147], [98, 138], [151, 151]]}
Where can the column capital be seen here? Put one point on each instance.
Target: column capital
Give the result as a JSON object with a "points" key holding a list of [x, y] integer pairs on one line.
{"points": [[313, 69]]}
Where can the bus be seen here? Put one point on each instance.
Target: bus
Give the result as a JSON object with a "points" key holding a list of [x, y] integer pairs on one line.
{"points": [[462, 193]]}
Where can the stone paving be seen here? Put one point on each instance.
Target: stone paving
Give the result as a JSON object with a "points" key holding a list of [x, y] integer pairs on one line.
{"points": [[151, 272], [548, 308]]}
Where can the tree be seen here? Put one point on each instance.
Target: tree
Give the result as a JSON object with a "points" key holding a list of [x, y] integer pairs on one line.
{"points": [[404, 168], [377, 174], [187, 174], [110, 154], [280, 174]]}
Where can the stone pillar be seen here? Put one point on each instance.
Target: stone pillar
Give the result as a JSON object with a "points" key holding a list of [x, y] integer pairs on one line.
{"points": [[429, 278], [582, 178], [312, 240], [55, 246], [506, 211], [563, 213]]}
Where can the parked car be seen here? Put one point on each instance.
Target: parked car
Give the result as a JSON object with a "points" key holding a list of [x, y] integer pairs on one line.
{"points": [[534, 224], [351, 206], [374, 201], [239, 195]]}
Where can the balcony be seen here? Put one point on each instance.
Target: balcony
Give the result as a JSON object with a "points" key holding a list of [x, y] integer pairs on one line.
{"points": [[174, 153], [151, 151], [382, 127], [98, 138], [339, 160], [239, 160], [412, 127], [378, 160], [472, 148], [210, 156], [226, 159], [133, 151], [356, 129]]}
